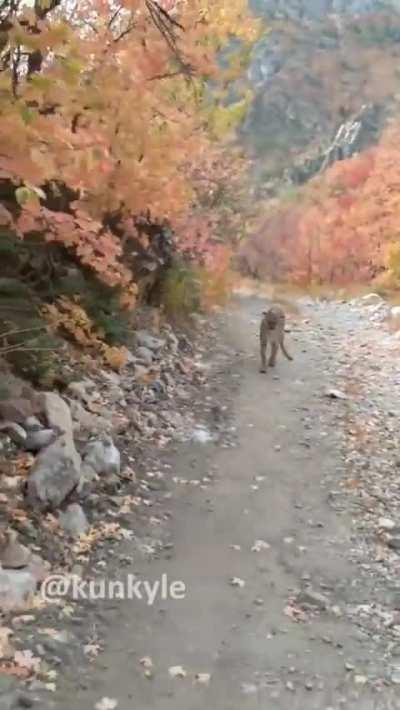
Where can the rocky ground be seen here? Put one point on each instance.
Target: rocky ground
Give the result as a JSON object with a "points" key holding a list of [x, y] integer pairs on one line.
{"points": [[273, 499]]}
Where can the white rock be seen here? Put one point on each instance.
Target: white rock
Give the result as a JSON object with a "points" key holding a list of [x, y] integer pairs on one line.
{"points": [[201, 436], [386, 524], [335, 394]]}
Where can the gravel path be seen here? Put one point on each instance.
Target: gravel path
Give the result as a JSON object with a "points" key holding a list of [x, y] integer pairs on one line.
{"points": [[286, 534]]}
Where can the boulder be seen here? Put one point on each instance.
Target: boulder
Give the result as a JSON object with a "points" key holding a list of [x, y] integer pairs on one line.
{"points": [[145, 355], [144, 339], [57, 413], [13, 555], [93, 423], [88, 475], [55, 473], [74, 521], [16, 432], [37, 440], [103, 456], [17, 588], [16, 410]]}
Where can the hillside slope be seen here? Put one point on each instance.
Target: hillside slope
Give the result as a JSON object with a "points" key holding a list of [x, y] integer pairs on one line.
{"points": [[318, 64]]}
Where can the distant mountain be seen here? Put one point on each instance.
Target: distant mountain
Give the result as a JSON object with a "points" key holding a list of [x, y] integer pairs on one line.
{"points": [[320, 63]]}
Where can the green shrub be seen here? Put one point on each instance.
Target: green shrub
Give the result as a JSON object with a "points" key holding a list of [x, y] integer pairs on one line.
{"points": [[181, 290]]}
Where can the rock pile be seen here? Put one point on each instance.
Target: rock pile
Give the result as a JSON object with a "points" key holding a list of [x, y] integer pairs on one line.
{"points": [[78, 441]]}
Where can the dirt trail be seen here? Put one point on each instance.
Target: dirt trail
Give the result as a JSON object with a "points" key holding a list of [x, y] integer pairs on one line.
{"points": [[273, 486]]}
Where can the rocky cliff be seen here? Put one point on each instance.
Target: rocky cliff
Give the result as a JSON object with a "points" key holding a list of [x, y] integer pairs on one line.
{"points": [[321, 67]]}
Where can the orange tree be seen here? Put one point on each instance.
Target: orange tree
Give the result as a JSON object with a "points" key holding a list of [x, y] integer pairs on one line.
{"points": [[101, 103]]}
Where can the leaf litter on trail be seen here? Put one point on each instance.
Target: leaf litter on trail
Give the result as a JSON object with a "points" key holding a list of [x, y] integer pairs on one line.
{"points": [[22, 665], [294, 613]]}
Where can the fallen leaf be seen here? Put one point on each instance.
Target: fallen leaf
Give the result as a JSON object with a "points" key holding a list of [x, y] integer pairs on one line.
{"points": [[295, 613]]}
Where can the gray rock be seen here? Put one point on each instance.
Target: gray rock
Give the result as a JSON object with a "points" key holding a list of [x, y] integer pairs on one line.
{"points": [[32, 424], [37, 440], [15, 431], [93, 423], [148, 341], [145, 355], [394, 544], [115, 395], [16, 589], [103, 456], [88, 475], [16, 410], [13, 555], [74, 521], [55, 473], [57, 413]]}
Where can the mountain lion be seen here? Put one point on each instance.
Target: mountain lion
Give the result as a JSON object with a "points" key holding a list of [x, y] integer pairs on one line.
{"points": [[272, 330]]}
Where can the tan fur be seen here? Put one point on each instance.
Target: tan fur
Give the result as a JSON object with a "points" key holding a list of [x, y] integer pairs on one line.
{"points": [[272, 330]]}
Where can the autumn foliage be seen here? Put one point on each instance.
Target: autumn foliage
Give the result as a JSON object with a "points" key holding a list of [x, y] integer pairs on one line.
{"points": [[342, 227], [105, 111]]}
